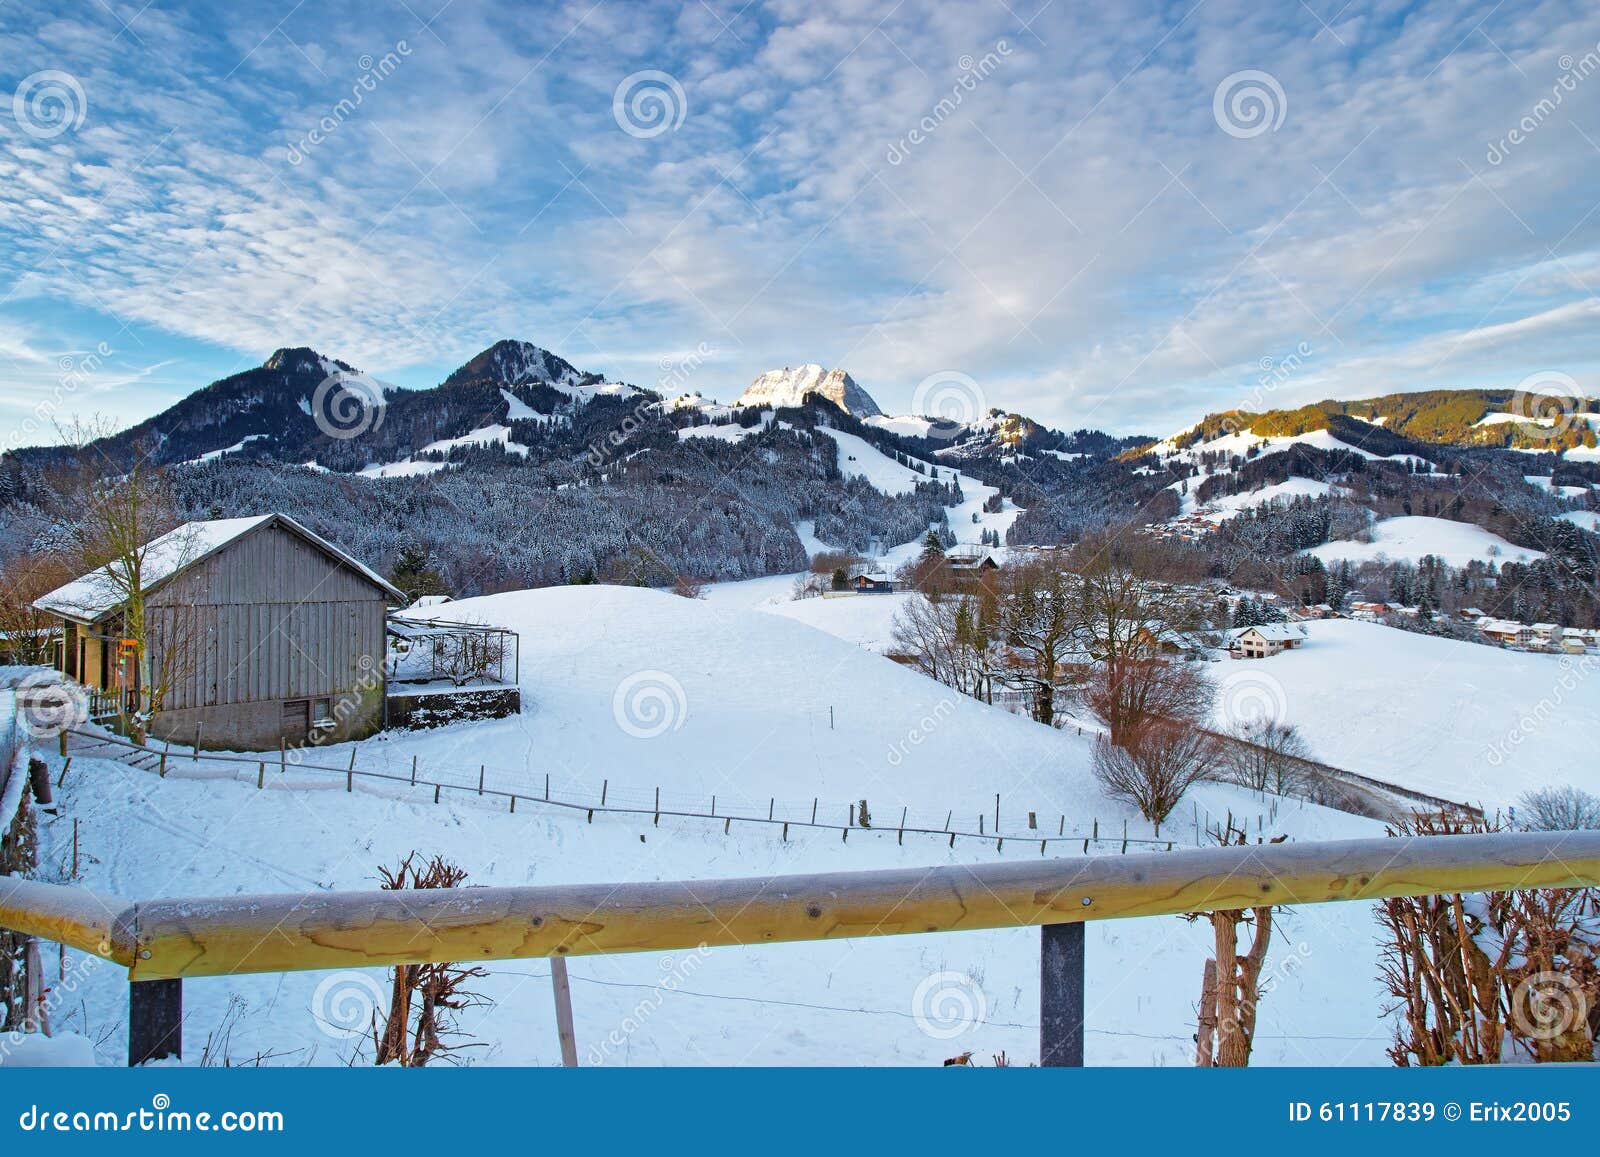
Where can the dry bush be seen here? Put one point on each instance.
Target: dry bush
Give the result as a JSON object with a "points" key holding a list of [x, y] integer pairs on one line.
{"points": [[419, 1025], [1156, 766], [1492, 977], [1265, 755]]}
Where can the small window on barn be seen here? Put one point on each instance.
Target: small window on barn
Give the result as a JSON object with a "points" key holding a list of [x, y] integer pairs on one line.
{"points": [[322, 715]]}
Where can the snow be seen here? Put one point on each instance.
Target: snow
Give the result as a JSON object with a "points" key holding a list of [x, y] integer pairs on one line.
{"points": [[213, 455], [482, 436], [1454, 719], [1232, 505], [722, 432], [1588, 519], [905, 425], [94, 594], [404, 469], [1410, 537], [866, 620], [518, 410], [1546, 482], [68, 1050], [752, 721]]}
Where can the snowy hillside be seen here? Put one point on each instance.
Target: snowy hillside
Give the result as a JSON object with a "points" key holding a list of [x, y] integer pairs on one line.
{"points": [[646, 689], [1410, 537], [1454, 719]]}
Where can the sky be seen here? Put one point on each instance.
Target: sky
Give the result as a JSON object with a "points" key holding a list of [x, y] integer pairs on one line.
{"points": [[1117, 216]]}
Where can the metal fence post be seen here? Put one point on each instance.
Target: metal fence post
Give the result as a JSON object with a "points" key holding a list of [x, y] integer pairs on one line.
{"points": [[1061, 995], [155, 1020]]}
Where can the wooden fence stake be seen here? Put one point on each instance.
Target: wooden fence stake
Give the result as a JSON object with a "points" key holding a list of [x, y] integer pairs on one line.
{"points": [[605, 786], [591, 815], [436, 793], [563, 993], [952, 839], [64, 768], [948, 816], [813, 809], [772, 802], [996, 811], [726, 824], [785, 831], [413, 771], [480, 779], [164, 751], [658, 807], [261, 775], [350, 772], [547, 787], [63, 738], [1033, 822], [513, 804]]}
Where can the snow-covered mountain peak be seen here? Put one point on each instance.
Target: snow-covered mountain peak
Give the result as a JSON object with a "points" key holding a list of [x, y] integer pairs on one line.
{"points": [[791, 386], [304, 360]]}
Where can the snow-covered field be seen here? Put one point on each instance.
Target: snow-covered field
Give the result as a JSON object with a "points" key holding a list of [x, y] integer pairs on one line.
{"points": [[643, 689], [1459, 720], [1410, 537]]}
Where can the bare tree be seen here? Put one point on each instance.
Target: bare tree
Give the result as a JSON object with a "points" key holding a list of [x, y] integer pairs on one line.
{"points": [[1231, 987], [29, 633], [1040, 621], [1559, 809], [1156, 765], [1265, 755], [1129, 692], [951, 638]]}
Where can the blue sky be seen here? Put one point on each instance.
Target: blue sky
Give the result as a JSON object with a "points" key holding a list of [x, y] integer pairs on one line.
{"points": [[1063, 201]]}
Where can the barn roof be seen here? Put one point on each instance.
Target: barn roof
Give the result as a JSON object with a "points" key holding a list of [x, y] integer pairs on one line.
{"points": [[93, 596]]}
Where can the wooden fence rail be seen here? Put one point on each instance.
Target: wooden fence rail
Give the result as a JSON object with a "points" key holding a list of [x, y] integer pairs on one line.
{"points": [[161, 941]]}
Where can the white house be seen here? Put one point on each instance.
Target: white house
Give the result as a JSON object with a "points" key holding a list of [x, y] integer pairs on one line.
{"points": [[1266, 640]]}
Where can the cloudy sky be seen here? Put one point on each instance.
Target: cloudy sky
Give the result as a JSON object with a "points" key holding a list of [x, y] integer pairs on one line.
{"points": [[1119, 215]]}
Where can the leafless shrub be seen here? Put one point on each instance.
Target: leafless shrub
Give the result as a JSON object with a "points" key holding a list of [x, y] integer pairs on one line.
{"points": [[418, 1025], [1130, 693], [1159, 763], [1265, 755]]}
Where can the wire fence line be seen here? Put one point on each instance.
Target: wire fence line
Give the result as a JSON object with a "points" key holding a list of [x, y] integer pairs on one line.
{"points": [[527, 789]]}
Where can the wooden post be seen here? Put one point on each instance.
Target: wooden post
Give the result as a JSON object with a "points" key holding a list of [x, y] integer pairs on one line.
{"points": [[33, 1011], [563, 992], [1061, 996], [480, 779], [547, 787], [713, 807], [772, 802], [1033, 822], [350, 772], [63, 737], [283, 757], [413, 771], [658, 807], [948, 816], [261, 775], [813, 809], [155, 1020], [1205, 1039], [997, 813], [605, 785], [74, 848], [65, 767], [164, 750]]}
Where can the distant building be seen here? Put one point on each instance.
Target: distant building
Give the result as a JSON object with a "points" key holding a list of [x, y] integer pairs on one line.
{"points": [[258, 632], [1266, 640], [876, 584], [971, 570]]}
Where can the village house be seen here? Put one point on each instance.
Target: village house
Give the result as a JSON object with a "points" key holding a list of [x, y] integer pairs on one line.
{"points": [[875, 584], [971, 570], [1507, 632], [258, 632], [1264, 641]]}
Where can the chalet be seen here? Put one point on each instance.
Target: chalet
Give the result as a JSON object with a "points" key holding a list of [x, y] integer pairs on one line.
{"points": [[258, 632], [1508, 632], [1368, 610], [875, 584], [970, 570], [1265, 640]]}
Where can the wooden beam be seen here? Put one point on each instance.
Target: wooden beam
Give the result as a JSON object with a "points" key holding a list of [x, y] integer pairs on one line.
{"points": [[1061, 960], [282, 933], [155, 1021], [91, 922]]}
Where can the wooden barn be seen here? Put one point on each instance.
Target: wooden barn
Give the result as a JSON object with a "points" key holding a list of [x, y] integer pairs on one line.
{"points": [[259, 632]]}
